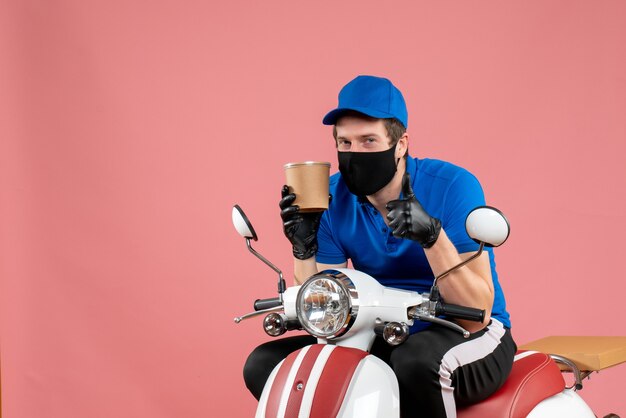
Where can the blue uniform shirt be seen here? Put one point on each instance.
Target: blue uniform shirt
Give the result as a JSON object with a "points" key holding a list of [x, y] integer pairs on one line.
{"points": [[353, 229]]}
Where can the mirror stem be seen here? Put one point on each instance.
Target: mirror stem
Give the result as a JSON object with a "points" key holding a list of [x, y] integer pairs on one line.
{"points": [[281, 281], [434, 291], [445, 273]]}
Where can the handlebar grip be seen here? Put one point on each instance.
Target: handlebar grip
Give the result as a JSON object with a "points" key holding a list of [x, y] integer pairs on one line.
{"points": [[261, 304], [460, 312]]}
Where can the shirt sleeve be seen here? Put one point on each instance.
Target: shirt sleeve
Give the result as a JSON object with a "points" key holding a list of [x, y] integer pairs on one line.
{"points": [[329, 251], [464, 194]]}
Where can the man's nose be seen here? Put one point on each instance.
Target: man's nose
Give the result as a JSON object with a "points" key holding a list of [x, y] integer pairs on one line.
{"points": [[356, 147]]}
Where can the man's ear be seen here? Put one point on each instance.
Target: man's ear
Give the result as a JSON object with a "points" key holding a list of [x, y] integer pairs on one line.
{"points": [[402, 147]]}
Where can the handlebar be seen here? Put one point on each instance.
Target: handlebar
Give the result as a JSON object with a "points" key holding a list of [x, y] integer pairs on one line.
{"points": [[460, 312], [261, 304]]}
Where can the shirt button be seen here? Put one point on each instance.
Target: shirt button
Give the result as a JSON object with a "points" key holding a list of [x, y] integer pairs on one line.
{"points": [[375, 212]]}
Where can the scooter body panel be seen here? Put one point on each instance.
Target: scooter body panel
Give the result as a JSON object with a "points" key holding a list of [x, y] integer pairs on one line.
{"points": [[373, 392], [565, 404], [319, 381], [342, 380]]}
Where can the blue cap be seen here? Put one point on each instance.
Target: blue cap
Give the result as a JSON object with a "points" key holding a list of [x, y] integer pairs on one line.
{"points": [[373, 96]]}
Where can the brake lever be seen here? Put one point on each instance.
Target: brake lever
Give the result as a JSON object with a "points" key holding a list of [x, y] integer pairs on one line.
{"points": [[415, 314], [257, 313]]}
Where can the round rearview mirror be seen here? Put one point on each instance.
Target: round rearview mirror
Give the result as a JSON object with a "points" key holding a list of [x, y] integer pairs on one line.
{"points": [[242, 224], [487, 225]]}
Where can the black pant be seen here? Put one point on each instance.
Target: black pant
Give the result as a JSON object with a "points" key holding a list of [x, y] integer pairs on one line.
{"points": [[437, 369]]}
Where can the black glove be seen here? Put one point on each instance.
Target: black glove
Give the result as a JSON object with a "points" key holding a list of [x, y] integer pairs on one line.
{"points": [[299, 227], [408, 219]]}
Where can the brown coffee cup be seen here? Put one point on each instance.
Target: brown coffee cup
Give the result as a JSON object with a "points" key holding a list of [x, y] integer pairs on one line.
{"points": [[309, 181]]}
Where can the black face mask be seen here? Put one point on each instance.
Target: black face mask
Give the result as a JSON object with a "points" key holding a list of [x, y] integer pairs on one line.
{"points": [[365, 173]]}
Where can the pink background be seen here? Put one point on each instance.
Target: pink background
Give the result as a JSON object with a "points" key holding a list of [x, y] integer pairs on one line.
{"points": [[130, 128]]}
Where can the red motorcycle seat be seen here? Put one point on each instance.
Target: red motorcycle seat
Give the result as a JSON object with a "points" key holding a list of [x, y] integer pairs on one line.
{"points": [[534, 377]]}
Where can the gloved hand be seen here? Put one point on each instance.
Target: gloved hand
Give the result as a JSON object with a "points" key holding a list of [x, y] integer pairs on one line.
{"points": [[408, 219], [300, 227]]}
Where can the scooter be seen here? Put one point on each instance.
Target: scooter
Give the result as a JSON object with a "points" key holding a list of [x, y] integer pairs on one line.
{"points": [[346, 310]]}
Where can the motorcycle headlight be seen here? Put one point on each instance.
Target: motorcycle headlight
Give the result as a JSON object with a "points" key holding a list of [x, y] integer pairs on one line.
{"points": [[326, 305]]}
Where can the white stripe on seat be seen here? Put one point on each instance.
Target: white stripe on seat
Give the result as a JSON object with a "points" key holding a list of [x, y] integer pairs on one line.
{"points": [[524, 355]]}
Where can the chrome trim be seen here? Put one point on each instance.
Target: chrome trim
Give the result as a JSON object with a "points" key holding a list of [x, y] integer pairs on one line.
{"points": [[578, 378], [395, 333], [275, 324], [348, 287]]}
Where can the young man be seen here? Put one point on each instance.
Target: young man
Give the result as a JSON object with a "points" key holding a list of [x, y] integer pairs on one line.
{"points": [[401, 220]]}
